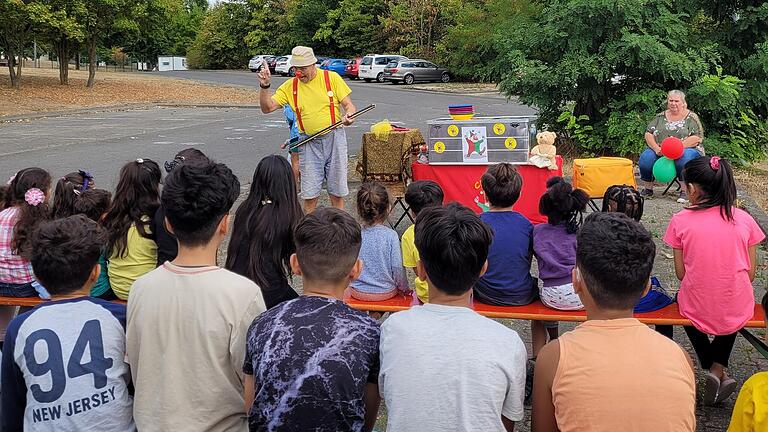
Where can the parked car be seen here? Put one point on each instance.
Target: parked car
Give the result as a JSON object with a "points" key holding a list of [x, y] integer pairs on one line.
{"points": [[372, 66], [320, 60], [411, 70], [272, 62], [353, 68], [283, 65], [336, 65], [256, 61]]}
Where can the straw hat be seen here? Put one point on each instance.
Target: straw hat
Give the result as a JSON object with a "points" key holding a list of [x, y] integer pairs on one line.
{"points": [[302, 56]]}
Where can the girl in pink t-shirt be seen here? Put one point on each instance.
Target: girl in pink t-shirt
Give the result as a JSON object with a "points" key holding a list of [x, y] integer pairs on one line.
{"points": [[715, 248]]}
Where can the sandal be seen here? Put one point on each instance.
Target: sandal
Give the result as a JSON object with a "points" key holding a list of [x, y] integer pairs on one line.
{"points": [[727, 387], [711, 386]]}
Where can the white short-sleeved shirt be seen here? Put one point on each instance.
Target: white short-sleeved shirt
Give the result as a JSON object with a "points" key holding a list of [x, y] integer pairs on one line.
{"points": [[448, 368]]}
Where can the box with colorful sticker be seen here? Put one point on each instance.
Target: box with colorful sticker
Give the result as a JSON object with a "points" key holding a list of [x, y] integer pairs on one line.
{"points": [[481, 140]]}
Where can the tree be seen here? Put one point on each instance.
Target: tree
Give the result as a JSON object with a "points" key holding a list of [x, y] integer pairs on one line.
{"points": [[414, 27], [353, 28], [15, 29], [57, 21], [162, 27], [267, 17], [101, 18], [220, 41]]}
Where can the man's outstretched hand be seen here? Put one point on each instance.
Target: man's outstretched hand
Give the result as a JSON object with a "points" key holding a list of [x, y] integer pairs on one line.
{"points": [[264, 75]]}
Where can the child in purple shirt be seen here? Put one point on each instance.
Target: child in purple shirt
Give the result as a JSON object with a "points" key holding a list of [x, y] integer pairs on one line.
{"points": [[554, 243]]}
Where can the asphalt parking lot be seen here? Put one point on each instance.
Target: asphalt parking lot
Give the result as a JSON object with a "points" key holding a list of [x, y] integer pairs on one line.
{"points": [[102, 141]]}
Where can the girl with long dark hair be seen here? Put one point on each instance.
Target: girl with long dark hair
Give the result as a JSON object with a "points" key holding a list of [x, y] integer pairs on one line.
{"points": [[262, 237], [715, 250], [131, 248]]}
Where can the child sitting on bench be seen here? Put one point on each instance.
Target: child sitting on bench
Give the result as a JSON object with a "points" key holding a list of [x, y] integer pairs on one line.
{"points": [[613, 373], [93, 204], [508, 281], [64, 361], [554, 243], [715, 249], [419, 195], [314, 360], [383, 275], [443, 366]]}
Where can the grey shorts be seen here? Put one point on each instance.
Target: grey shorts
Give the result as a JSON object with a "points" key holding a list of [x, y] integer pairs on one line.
{"points": [[324, 159]]}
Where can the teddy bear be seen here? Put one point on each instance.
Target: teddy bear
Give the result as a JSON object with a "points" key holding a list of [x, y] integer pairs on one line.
{"points": [[543, 154]]}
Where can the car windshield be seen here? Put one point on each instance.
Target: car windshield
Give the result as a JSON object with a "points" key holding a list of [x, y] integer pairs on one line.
{"points": [[367, 61], [282, 58], [392, 64]]}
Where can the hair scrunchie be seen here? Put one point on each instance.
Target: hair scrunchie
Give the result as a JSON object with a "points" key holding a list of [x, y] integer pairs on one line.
{"points": [[714, 162], [34, 197]]}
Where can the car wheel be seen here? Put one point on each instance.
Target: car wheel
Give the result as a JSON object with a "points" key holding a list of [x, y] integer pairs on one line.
{"points": [[367, 79], [445, 77], [253, 70], [380, 77], [292, 72], [408, 79]]}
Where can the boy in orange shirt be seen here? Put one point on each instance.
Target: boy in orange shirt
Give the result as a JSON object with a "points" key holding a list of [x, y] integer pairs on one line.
{"points": [[613, 372]]}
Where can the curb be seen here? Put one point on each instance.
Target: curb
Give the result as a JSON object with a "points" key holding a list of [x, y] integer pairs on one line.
{"points": [[109, 108]]}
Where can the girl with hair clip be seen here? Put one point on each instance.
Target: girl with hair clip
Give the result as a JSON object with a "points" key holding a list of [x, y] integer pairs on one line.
{"points": [[68, 188], [262, 238], [715, 251], [26, 205], [383, 274], [554, 243], [131, 247]]}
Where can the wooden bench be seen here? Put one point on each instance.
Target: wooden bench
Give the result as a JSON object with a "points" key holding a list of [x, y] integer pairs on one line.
{"points": [[34, 301], [536, 311]]}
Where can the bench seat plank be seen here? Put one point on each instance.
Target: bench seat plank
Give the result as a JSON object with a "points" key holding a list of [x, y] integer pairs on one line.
{"points": [[536, 311]]}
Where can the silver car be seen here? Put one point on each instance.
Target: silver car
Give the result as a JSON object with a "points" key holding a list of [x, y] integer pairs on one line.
{"points": [[411, 70]]}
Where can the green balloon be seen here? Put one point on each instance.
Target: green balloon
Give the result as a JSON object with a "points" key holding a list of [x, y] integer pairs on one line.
{"points": [[664, 170]]}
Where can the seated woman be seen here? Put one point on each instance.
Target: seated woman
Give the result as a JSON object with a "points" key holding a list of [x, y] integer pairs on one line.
{"points": [[676, 121]]}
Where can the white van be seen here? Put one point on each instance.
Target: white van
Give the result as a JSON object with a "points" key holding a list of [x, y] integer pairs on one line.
{"points": [[372, 66]]}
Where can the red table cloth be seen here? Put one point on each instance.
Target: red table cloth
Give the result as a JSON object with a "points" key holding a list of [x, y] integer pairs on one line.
{"points": [[461, 183]]}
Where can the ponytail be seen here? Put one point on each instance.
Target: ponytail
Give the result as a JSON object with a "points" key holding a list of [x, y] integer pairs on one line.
{"points": [[372, 203], [563, 204], [714, 177]]}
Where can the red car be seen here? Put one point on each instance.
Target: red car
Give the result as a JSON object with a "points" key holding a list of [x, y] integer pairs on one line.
{"points": [[353, 67]]}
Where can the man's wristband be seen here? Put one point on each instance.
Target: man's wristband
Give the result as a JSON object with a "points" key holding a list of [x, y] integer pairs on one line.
{"points": [[265, 86]]}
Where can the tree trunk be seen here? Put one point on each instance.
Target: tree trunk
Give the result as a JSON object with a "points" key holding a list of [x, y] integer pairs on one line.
{"points": [[14, 78], [62, 51], [77, 60], [91, 62], [18, 68]]}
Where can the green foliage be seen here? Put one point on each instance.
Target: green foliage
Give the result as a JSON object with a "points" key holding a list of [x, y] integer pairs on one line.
{"points": [[598, 70], [353, 28], [219, 43]]}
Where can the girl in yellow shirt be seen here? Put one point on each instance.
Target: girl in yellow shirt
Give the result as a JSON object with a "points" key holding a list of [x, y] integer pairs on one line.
{"points": [[132, 249]]}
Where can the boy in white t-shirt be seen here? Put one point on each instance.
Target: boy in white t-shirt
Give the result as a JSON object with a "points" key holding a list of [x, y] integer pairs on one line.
{"points": [[443, 366], [64, 363], [187, 319]]}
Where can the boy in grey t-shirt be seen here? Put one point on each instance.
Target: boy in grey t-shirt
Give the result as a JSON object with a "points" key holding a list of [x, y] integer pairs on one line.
{"points": [[443, 366]]}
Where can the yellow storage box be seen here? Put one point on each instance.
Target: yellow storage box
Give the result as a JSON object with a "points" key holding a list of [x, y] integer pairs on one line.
{"points": [[595, 175]]}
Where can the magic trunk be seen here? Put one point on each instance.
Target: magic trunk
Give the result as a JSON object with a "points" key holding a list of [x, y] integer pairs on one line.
{"points": [[91, 62]]}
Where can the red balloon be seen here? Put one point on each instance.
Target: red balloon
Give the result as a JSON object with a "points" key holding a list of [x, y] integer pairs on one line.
{"points": [[672, 147]]}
